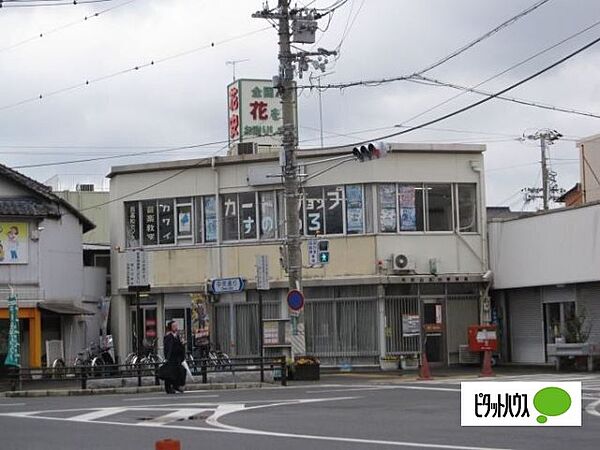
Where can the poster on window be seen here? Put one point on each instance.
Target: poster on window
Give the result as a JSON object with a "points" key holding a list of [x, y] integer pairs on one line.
{"points": [[408, 219], [149, 222], [132, 224], [184, 220], [210, 219], [229, 213], [14, 242], [267, 215], [334, 214], [314, 204], [166, 226], [354, 209], [387, 208], [247, 215]]}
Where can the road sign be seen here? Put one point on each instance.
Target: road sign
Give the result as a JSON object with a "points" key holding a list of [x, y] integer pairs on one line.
{"points": [[262, 272], [313, 252], [295, 300], [137, 268], [227, 285]]}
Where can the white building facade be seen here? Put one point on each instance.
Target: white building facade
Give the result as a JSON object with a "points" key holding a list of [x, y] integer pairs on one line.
{"points": [[407, 242]]}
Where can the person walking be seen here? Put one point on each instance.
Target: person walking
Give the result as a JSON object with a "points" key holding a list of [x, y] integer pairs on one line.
{"points": [[174, 355]]}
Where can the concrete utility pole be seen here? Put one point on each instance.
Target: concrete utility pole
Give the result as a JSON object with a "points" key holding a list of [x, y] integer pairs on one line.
{"points": [[304, 26], [550, 189]]}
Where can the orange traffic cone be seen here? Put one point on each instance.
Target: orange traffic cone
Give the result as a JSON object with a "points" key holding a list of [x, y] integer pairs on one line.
{"points": [[424, 372], [168, 444], [486, 370]]}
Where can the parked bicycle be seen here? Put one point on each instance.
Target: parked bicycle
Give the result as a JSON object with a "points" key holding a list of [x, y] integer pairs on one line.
{"points": [[98, 357], [147, 359]]}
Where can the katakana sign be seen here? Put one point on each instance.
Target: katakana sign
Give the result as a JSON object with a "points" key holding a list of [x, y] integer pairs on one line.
{"points": [[254, 112]]}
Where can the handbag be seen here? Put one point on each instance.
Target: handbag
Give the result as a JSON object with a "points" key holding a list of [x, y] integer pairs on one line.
{"points": [[163, 372]]}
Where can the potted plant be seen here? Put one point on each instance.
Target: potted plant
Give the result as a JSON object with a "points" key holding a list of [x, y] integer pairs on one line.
{"points": [[388, 362], [306, 368], [410, 361]]}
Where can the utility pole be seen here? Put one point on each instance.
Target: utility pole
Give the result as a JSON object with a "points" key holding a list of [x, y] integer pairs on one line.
{"points": [[304, 27], [550, 189]]}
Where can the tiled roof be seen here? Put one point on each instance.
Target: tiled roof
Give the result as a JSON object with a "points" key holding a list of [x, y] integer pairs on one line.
{"points": [[27, 207], [33, 206]]}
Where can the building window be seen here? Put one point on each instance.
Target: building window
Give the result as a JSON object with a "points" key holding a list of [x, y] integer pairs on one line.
{"points": [[166, 226], [229, 217], [247, 211], [149, 222], [334, 209], [388, 218], [198, 220], [467, 208], [355, 211], [210, 218], [132, 227], [439, 207], [410, 207], [268, 216]]}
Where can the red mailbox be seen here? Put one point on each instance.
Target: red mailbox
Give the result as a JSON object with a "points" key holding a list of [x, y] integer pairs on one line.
{"points": [[483, 338]]}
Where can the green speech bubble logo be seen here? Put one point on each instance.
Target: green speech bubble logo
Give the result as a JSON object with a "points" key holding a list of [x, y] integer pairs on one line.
{"points": [[551, 401]]}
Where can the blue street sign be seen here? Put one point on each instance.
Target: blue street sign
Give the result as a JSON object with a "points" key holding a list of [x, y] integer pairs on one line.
{"points": [[227, 285], [295, 300]]}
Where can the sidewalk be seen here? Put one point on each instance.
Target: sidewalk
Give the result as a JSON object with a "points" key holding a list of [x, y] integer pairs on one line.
{"points": [[128, 390]]}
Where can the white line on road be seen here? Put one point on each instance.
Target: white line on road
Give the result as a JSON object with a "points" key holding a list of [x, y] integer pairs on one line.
{"points": [[592, 408], [12, 404], [184, 397], [288, 435], [97, 414], [387, 387]]}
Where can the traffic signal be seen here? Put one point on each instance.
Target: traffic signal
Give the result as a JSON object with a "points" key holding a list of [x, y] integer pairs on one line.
{"points": [[324, 252], [370, 151]]}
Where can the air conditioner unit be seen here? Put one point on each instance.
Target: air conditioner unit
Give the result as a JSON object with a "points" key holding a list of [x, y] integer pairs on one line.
{"points": [[246, 148], [403, 263], [84, 188]]}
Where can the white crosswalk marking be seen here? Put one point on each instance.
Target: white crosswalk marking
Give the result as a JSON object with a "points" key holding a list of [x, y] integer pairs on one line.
{"points": [[174, 416], [97, 414]]}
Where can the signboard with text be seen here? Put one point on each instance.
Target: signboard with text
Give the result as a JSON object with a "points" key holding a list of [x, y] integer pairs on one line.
{"points": [[254, 112], [137, 268], [227, 285]]}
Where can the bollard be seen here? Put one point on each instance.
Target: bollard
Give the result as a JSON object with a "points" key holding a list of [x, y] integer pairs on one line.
{"points": [[168, 444], [283, 372]]}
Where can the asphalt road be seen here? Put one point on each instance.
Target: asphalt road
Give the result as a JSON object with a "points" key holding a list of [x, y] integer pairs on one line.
{"points": [[356, 412]]}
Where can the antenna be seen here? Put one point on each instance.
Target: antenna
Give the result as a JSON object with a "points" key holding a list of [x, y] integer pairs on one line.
{"points": [[233, 63]]}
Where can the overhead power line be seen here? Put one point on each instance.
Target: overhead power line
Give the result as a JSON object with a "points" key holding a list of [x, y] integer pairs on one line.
{"points": [[63, 27], [432, 81], [45, 3], [482, 37], [484, 100]]}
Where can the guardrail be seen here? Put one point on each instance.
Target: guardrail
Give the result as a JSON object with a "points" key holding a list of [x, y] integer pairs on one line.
{"points": [[15, 377]]}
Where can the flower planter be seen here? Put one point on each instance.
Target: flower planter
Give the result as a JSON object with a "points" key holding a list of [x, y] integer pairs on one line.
{"points": [[307, 372], [388, 364], [409, 363]]}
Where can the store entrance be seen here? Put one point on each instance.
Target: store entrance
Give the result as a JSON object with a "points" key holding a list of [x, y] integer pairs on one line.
{"points": [[433, 330]]}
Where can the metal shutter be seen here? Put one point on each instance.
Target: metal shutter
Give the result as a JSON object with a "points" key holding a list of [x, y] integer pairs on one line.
{"points": [[526, 326]]}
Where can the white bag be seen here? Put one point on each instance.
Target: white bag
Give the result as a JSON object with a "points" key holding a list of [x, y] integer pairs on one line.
{"points": [[187, 369]]}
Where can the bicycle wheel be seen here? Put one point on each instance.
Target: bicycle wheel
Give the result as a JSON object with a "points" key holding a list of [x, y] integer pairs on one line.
{"points": [[58, 368], [98, 368]]}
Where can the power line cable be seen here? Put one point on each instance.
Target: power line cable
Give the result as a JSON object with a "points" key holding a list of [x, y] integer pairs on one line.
{"points": [[45, 3], [130, 69], [482, 37], [484, 100], [63, 27]]}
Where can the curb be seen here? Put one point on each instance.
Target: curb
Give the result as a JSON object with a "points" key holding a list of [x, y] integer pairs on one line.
{"points": [[126, 390]]}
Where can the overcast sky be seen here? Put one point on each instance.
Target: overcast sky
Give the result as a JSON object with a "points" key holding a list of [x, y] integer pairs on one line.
{"points": [[182, 101]]}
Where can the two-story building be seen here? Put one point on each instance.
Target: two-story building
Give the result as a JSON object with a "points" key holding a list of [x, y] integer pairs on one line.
{"points": [[41, 261], [407, 243]]}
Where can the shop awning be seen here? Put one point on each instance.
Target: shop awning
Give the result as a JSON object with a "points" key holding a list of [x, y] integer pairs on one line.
{"points": [[68, 309]]}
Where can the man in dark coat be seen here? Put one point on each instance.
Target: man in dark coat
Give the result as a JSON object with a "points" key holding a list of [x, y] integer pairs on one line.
{"points": [[174, 372]]}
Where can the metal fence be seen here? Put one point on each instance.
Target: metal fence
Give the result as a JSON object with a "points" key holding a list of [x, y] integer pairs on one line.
{"points": [[395, 341], [342, 330]]}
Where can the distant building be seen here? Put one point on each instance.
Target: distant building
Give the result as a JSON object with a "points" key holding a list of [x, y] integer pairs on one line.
{"points": [[589, 152], [573, 197], [41, 260]]}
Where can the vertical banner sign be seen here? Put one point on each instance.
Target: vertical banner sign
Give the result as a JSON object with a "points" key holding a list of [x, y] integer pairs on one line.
{"points": [[13, 357], [200, 320], [137, 268], [262, 272]]}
